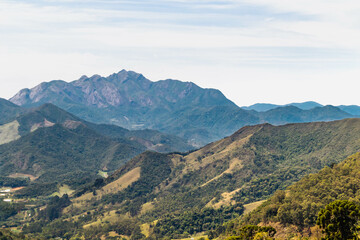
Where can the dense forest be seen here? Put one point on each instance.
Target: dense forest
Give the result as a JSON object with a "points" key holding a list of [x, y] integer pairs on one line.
{"points": [[76, 180], [300, 203], [164, 193], [185, 224]]}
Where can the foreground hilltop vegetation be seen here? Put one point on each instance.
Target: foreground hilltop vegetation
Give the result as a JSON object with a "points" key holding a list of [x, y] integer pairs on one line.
{"points": [[295, 210]]}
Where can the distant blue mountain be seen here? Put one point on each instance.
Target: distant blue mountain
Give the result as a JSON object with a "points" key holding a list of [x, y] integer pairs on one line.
{"points": [[263, 107], [306, 105], [352, 109]]}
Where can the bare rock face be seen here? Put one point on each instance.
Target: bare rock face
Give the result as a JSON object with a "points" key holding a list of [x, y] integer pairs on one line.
{"points": [[22, 97], [122, 89], [125, 98]]}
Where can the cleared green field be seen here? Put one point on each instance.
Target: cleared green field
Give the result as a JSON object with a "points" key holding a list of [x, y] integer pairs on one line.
{"points": [[9, 132], [23, 175], [103, 174], [251, 206], [64, 189]]}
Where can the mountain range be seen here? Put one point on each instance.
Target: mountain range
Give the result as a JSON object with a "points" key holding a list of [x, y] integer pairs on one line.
{"points": [[130, 100], [263, 107], [113, 157]]}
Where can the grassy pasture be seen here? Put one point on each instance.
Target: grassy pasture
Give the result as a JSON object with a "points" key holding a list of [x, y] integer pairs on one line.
{"points": [[9, 132]]}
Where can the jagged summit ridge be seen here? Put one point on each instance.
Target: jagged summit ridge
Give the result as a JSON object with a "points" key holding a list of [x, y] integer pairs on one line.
{"points": [[125, 88], [125, 98]]}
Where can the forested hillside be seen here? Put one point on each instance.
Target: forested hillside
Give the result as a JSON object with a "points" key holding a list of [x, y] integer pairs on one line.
{"points": [[48, 114], [9, 111], [59, 155], [242, 169], [297, 208]]}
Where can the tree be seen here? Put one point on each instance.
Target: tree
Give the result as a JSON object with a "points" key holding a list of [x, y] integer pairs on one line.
{"points": [[254, 232], [262, 236], [137, 234], [338, 220]]}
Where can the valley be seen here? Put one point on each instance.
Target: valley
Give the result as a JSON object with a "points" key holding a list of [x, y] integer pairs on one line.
{"points": [[240, 171], [194, 166]]}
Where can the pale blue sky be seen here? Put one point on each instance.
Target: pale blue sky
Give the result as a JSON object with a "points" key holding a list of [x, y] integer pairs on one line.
{"points": [[253, 51]]}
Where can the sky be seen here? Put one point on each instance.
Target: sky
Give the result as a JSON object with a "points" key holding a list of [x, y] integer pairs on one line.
{"points": [[254, 51]]}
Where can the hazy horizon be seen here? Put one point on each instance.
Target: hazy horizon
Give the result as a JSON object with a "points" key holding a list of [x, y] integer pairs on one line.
{"points": [[259, 51]]}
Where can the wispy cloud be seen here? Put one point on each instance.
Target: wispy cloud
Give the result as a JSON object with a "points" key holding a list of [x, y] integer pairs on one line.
{"points": [[260, 40]]}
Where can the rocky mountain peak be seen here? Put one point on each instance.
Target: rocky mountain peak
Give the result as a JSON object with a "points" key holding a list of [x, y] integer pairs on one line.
{"points": [[124, 76], [21, 98], [83, 77], [95, 77]]}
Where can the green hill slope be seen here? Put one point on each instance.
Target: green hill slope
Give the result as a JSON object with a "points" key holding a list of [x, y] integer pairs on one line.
{"points": [[9, 111], [246, 167], [60, 155], [48, 114], [299, 205]]}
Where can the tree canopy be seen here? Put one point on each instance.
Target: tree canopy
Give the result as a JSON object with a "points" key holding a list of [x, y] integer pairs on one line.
{"points": [[338, 220]]}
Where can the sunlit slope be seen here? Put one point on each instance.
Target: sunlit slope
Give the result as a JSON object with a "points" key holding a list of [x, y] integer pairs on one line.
{"points": [[299, 205], [246, 167]]}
